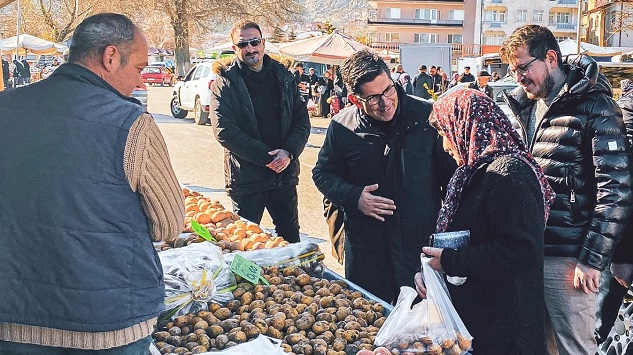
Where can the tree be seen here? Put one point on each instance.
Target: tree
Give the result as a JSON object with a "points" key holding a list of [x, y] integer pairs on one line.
{"points": [[185, 15], [327, 27], [277, 35], [292, 36]]}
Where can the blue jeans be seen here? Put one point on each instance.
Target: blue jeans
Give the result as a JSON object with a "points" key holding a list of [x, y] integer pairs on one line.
{"points": [[140, 347]]}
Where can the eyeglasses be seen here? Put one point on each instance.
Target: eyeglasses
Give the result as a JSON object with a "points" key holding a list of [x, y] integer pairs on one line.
{"points": [[374, 100], [522, 69], [253, 42]]}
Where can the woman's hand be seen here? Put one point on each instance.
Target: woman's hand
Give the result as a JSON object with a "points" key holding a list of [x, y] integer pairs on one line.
{"points": [[419, 285]]}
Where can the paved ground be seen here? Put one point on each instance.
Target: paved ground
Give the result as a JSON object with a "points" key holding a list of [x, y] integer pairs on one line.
{"points": [[198, 163]]}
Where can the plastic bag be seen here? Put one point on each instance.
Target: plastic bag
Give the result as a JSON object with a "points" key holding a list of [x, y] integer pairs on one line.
{"points": [[430, 327], [304, 254], [195, 275]]}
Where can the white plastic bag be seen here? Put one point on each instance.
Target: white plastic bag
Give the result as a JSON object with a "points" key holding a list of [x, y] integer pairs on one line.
{"points": [[262, 345], [195, 275], [430, 327]]}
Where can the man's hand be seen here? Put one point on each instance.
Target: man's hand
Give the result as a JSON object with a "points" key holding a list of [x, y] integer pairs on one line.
{"points": [[375, 206], [436, 257], [281, 161], [419, 285], [586, 278]]}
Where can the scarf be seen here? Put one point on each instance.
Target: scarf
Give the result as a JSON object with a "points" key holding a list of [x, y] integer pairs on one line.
{"points": [[479, 131]]}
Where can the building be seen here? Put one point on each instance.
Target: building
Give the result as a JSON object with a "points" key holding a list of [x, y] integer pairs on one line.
{"points": [[608, 23], [473, 27]]}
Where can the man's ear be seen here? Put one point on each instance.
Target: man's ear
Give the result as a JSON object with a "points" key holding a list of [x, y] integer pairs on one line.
{"points": [[353, 99], [110, 58]]}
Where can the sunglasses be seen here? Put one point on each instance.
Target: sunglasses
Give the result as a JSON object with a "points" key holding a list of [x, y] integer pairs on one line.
{"points": [[253, 42]]}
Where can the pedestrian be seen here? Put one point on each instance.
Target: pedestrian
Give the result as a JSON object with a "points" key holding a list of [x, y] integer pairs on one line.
{"points": [[302, 80], [422, 83], [615, 283], [90, 188], [325, 89], [444, 76], [466, 76], [455, 80], [481, 83], [495, 76], [501, 302], [18, 70], [313, 80], [589, 173], [398, 70], [379, 161], [259, 118], [5, 72], [405, 82], [438, 81], [26, 72]]}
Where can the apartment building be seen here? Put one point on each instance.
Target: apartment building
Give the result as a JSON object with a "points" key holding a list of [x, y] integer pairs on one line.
{"points": [[608, 23]]}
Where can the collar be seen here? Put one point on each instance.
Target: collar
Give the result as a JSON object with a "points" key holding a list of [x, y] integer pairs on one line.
{"points": [[245, 70], [83, 74]]}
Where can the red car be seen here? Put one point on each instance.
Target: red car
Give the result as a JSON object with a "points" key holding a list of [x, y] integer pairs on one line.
{"points": [[155, 74]]}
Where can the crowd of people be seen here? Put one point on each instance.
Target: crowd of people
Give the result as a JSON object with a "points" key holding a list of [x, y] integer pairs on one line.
{"points": [[547, 209], [18, 72]]}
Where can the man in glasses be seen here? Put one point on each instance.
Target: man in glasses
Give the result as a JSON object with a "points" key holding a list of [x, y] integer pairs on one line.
{"points": [[575, 131], [384, 167], [259, 118]]}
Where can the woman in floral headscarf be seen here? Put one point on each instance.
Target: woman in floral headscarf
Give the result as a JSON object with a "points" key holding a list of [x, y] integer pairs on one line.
{"points": [[499, 194]]}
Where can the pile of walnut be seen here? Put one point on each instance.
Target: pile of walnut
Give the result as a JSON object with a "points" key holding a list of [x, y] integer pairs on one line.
{"points": [[310, 315], [225, 226], [423, 345]]}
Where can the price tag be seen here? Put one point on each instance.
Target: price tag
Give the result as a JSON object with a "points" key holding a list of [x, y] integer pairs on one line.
{"points": [[201, 231], [248, 270]]}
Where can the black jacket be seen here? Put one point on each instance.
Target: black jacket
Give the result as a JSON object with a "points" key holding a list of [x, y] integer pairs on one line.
{"points": [[487, 89], [466, 78], [418, 85], [624, 250], [501, 302], [235, 127], [581, 146], [410, 167]]}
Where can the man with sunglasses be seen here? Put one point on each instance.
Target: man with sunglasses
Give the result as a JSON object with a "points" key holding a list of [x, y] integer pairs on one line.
{"points": [[259, 118], [384, 167], [575, 131]]}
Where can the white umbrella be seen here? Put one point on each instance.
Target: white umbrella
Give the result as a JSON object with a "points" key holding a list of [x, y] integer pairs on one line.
{"points": [[570, 46], [330, 49], [31, 44]]}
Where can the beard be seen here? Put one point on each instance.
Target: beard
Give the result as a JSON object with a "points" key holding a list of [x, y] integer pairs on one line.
{"points": [[544, 90]]}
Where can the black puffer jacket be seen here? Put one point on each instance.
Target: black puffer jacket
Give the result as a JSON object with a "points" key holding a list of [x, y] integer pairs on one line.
{"points": [[236, 129], [581, 146], [624, 251]]}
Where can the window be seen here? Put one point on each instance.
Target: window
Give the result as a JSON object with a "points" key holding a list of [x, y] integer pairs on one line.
{"points": [[456, 15], [521, 15], [198, 73], [455, 39], [426, 14], [392, 12], [537, 16], [560, 39], [495, 16], [494, 40], [392, 37], [425, 38], [563, 17]]}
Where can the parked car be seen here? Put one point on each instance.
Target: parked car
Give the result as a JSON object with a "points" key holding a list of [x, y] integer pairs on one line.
{"points": [[158, 74], [140, 94], [193, 93]]}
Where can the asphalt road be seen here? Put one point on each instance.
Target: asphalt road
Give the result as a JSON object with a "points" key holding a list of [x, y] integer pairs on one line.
{"points": [[197, 160]]}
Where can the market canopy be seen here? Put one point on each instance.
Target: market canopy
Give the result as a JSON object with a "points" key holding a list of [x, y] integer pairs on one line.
{"points": [[330, 49], [569, 46], [31, 44]]}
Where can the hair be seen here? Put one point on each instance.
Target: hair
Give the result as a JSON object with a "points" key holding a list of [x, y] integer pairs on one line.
{"points": [[244, 24], [97, 32], [298, 64], [433, 67], [423, 67], [362, 67], [538, 40]]}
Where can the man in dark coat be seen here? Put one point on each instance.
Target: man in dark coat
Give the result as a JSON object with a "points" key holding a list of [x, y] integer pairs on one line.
{"points": [[422, 83], [5, 72], [302, 80], [384, 167], [482, 83], [466, 76], [575, 131], [259, 118]]}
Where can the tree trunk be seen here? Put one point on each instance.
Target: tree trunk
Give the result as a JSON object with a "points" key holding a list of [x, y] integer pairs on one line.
{"points": [[181, 51]]}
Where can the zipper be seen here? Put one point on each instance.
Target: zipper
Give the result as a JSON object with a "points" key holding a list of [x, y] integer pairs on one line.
{"points": [[569, 181]]}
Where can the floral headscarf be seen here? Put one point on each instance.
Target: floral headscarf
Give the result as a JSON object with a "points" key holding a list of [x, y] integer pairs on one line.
{"points": [[480, 132]]}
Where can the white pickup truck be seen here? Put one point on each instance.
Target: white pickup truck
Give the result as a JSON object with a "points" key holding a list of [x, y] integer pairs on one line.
{"points": [[193, 93]]}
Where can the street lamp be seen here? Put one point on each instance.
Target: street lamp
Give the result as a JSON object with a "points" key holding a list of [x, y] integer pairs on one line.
{"points": [[579, 25]]}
